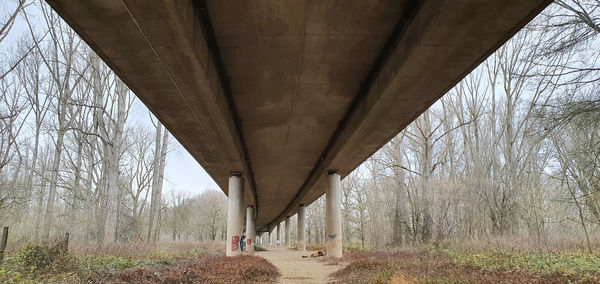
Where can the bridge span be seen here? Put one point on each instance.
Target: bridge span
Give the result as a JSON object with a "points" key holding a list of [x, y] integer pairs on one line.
{"points": [[280, 99]]}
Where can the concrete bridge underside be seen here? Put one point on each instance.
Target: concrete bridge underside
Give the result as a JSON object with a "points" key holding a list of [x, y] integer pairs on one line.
{"points": [[285, 91]]}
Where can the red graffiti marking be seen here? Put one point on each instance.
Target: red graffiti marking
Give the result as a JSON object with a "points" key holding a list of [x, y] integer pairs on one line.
{"points": [[235, 243]]}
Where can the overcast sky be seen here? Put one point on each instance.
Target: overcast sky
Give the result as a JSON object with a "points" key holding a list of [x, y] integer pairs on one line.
{"points": [[182, 172]]}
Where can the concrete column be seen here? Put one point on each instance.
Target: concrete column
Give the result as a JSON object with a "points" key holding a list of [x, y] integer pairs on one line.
{"points": [[278, 240], [235, 214], [287, 232], [333, 216], [269, 239], [250, 229], [301, 238]]}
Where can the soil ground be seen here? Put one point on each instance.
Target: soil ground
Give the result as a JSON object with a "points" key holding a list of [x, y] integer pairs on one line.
{"points": [[295, 269]]}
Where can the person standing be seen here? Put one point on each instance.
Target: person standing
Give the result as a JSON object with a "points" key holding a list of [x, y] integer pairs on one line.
{"points": [[242, 242]]}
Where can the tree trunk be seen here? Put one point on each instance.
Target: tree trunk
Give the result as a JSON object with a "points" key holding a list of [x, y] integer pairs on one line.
{"points": [[155, 198], [53, 183], [112, 186]]}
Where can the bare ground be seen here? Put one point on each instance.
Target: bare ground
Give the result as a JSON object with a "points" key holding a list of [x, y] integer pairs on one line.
{"points": [[295, 269]]}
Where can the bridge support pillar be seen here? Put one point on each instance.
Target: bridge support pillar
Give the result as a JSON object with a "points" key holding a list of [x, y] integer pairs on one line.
{"points": [[250, 229], [333, 216], [278, 240], [235, 214], [287, 232], [301, 229]]}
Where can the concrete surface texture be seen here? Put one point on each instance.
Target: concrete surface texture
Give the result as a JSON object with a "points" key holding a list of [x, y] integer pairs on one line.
{"points": [[283, 91], [288, 231], [301, 242], [250, 229], [333, 217], [235, 215], [278, 239]]}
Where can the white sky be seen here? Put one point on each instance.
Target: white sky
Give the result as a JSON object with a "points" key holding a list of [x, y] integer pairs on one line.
{"points": [[182, 172]]}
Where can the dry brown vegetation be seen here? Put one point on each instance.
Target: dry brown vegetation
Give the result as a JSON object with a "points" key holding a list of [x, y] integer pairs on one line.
{"points": [[178, 250], [208, 269], [430, 265], [192, 262], [315, 247]]}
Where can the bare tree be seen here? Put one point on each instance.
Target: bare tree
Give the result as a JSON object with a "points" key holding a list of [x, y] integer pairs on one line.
{"points": [[112, 163], [160, 155]]}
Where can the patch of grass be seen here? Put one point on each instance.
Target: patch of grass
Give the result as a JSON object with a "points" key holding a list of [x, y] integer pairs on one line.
{"points": [[36, 262], [584, 264], [50, 263], [41, 258], [211, 269], [356, 248], [435, 265], [135, 263], [315, 247], [257, 248], [9, 273], [183, 250], [366, 271], [90, 267], [346, 247]]}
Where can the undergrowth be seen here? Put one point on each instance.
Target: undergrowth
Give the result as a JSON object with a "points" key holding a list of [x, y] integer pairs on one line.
{"points": [[443, 265], [346, 247], [257, 248], [52, 264], [583, 264], [213, 269]]}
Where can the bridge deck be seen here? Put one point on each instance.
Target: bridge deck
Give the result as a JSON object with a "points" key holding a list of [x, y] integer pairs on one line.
{"points": [[286, 90]]}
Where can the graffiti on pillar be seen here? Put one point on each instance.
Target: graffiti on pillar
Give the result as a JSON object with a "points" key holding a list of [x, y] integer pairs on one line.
{"points": [[249, 241], [331, 237], [235, 243]]}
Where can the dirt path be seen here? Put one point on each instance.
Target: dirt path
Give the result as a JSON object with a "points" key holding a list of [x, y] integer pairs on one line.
{"points": [[295, 269]]}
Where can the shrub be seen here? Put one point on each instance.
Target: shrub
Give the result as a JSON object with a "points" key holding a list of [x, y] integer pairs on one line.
{"points": [[257, 248], [315, 247], [41, 257]]}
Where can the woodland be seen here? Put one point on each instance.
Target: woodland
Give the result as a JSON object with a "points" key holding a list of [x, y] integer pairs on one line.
{"points": [[509, 157]]}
